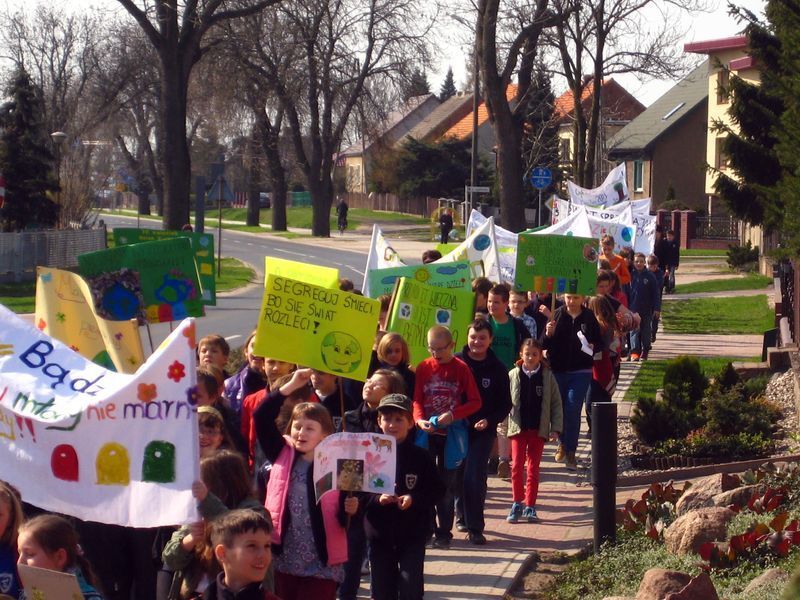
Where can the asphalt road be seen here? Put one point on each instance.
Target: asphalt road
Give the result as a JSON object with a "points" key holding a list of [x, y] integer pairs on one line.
{"points": [[235, 314]]}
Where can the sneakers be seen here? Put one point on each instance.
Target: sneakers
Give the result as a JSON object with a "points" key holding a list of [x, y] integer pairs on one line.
{"points": [[635, 357], [476, 538], [529, 514], [644, 355], [442, 543], [461, 526], [571, 462], [560, 453], [503, 469], [516, 513]]}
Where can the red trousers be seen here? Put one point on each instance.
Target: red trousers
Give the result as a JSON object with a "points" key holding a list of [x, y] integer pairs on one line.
{"points": [[526, 446], [292, 587]]}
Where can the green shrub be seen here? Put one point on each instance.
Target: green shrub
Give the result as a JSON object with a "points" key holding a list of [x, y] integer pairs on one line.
{"points": [[658, 420], [684, 382], [731, 412], [703, 444], [739, 256], [756, 386], [727, 377]]}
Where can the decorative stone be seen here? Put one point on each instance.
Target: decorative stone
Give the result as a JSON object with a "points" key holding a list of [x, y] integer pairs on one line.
{"points": [[692, 530], [766, 578], [657, 583], [739, 497], [699, 588], [702, 491]]}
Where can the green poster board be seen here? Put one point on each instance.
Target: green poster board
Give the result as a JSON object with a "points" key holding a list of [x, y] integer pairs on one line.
{"points": [[202, 244], [322, 328], [153, 282], [417, 307], [556, 263], [454, 275]]}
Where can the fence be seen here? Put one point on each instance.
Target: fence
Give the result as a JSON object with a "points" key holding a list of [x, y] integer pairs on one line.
{"points": [[21, 253], [717, 228], [423, 207]]}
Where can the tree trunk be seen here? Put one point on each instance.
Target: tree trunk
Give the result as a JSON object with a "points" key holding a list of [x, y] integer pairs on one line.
{"points": [[509, 163], [253, 182], [144, 204], [176, 162], [321, 200]]}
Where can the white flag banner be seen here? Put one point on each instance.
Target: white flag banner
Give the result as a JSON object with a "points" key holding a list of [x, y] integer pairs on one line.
{"points": [[620, 228], [645, 233], [101, 446], [381, 255], [480, 249], [506, 245], [614, 189], [576, 224]]}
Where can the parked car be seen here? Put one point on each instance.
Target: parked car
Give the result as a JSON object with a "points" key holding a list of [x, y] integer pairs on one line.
{"points": [[263, 200]]}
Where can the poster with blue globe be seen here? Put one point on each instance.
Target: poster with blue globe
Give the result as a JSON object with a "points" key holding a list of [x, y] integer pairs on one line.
{"points": [[318, 327], [416, 307], [563, 264], [155, 282]]}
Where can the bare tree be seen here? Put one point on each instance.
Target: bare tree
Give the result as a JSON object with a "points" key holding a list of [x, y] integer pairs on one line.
{"points": [[317, 69], [177, 31], [598, 38]]}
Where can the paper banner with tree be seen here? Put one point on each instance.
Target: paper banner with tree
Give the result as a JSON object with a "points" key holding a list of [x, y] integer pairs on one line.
{"points": [[326, 329], [98, 445], [556, 263], [153, 282]]}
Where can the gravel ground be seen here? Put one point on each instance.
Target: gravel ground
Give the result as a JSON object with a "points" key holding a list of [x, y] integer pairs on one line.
{"points": [[780, 390]]}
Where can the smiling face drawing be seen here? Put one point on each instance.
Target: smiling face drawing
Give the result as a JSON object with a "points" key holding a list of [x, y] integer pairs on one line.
{"points": [[341, 352]]}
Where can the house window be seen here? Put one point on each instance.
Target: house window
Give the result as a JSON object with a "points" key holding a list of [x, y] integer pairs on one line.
{"points": [[638, 176], [723, 86], [720, 156], [564, 150]]}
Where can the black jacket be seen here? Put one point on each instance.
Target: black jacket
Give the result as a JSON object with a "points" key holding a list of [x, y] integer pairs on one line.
{"points": [[541, 320], [255, 591], [333, 402], [406, 373], [361, 420], [415, 475], [645, 292], [491, 376], [564, 347]]}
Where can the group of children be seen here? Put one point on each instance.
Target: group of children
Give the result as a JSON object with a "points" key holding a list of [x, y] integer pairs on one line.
{"points": [[529, 365]]}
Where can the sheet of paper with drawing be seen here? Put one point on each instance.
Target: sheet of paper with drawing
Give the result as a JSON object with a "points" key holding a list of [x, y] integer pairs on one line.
{"points": [[102, 446], [48, 585], [355, 462]]}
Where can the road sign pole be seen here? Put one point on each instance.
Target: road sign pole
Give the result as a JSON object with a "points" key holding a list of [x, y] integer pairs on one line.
{"points": [[539, 212]]}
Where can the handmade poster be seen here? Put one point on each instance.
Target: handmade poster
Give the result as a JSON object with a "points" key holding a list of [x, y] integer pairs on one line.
{"points": [[447, 275], [575, 224], [613, 189], [65, 311], [44, 584], [318, 275], [480, 249], [417, 307], [563, 208], [506, 245], [446, 248], [328, 330], [355, 462], [101, 446], [556, 263], [620, 228], [202, 244], [153, 282], [381, 255]]}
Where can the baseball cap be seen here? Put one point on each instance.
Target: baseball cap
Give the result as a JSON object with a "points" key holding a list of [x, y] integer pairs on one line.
{"points": [[399, 401]]}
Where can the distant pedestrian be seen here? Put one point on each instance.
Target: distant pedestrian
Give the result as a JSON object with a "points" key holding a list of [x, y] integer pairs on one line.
{"points": [[341, 215], [445, 224], [672, 258]]}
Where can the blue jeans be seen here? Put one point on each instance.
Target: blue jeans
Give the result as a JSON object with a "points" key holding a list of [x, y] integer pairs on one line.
{"points": [[640, 339], [573, 386]]}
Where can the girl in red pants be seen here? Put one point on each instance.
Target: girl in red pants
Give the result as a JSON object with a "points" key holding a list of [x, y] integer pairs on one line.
{"points": [[536, 415]]}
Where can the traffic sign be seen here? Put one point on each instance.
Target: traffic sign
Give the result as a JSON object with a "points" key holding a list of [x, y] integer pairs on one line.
{"points": [[479, 189], [541, 177]]}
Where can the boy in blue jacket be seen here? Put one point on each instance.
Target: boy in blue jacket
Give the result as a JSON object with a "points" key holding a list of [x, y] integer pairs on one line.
{"points": [[644, 299]]}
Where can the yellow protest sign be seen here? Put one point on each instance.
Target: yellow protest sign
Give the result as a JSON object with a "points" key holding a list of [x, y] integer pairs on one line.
{"points": [[65, 311], [327, 277], [329, 330]]}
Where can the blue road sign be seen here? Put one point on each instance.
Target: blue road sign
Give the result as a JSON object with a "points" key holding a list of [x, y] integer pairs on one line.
{"points": [[541, 177]]}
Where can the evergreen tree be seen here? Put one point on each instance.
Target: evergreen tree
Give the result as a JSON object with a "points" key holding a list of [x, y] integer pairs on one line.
{"points": [[417, 85], [437, 170], [25, 159], [540, 144], [448, 89]]}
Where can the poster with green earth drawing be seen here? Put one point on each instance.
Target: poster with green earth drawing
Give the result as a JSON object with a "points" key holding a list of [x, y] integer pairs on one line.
{"points": [[454, 275], [153, 282], [202, 245], [417, 307], [556, 263], [322, 328]]}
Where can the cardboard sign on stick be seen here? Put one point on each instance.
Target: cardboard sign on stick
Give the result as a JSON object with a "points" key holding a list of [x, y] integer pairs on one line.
{"points": [[446, 275], [291, 269], [556, 263]]}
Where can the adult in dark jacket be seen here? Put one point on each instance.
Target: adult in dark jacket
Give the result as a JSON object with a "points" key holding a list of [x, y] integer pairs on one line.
{"points": [[571, 339], [491, 376], [672, 259], [645, 299]]}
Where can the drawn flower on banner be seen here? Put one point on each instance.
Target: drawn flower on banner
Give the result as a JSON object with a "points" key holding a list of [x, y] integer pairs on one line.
{"points": [[176, 371], [147, 392], [118, 336], [61, 317], [373, 463], [191, 395], [41, 325], [189, 333]]}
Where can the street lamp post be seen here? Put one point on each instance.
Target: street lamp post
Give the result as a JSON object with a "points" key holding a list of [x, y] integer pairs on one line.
{"points": [[58, 138]]}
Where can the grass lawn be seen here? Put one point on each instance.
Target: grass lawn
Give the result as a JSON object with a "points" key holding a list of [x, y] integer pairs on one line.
{"points": [[703, 252], [235, 274], [749, 314], [751, 281], [18, 297], [301, 217], [651, 374]]}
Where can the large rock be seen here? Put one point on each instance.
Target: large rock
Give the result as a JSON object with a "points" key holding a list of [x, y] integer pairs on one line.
{"points": [[619, 598], [739, 496], [657, 583], [768, 577], [702, 491], [694, 529], [699, 588]]}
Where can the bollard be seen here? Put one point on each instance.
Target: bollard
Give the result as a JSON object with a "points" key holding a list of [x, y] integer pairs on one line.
{"points": [[604, 472]]}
